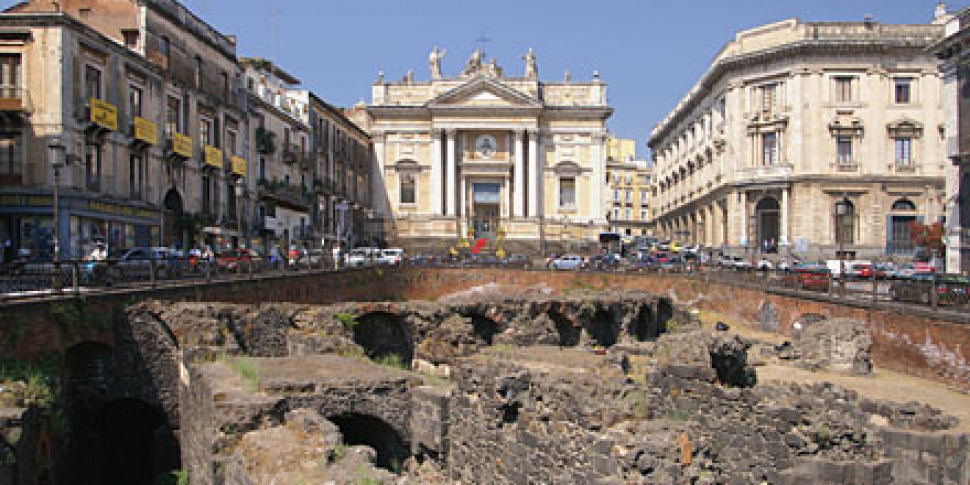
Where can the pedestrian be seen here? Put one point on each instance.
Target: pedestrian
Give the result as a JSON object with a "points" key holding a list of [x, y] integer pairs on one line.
{"points": [[336, 256], [275, 257]]}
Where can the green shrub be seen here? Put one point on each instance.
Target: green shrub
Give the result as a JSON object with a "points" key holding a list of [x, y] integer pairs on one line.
{"points": [[391, 360], [249, 370], [347, 319]]}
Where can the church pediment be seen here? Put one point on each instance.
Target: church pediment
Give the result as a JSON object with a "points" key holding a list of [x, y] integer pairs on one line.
{"points": [[484, 92]]}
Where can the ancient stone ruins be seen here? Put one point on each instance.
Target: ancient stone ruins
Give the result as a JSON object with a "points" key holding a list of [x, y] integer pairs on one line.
{"points": [[598, 388]]}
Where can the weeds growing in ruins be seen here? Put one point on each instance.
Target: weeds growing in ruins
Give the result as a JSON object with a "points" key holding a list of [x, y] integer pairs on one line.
{"points": [[35, 381], [392, 360], [641, 405], [246, 368], [822, 435], [337, 453], [347, 319], [364, 477]]}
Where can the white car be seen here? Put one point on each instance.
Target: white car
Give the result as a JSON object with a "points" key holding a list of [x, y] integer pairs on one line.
{"points": [[764, 264], [568, 262], [741, 264], [391, 257], [361, 257]]}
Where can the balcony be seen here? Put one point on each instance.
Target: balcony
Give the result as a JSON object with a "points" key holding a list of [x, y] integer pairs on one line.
{"points": [[842, 166], [908, 168], [265, 141], [323, 185], [13, 99], [778, 170], [291, 195], [292, 153]]}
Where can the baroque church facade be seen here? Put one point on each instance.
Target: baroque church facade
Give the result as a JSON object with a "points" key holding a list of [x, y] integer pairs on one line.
{"points": [[513, 160]]}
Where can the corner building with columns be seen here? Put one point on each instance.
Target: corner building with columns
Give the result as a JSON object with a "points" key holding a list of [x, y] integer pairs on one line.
{"points": [[794, 121], [482, 155]]}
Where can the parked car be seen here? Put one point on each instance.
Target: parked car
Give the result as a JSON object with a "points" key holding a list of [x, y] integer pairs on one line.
{"points": [[884, 270], [951, 289], [859, 271], [138, 261], [519, 260], [604, 262], [391, 257], [809, 277], [361, 257], [741, 264], [236, 259], [425, 259], [765, 264], [568, 262]]}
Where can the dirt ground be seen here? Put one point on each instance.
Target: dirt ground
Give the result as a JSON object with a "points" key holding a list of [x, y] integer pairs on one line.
{"points": [[884, 384]]}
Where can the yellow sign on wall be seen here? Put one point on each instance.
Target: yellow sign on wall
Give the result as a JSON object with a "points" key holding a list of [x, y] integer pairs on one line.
{"points": [[104, 114], [213, 156], [238, 165], [182, 145], [146, 131]]}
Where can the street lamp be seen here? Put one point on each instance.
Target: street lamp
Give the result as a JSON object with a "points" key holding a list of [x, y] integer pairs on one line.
{"points": [[841, 211], [240, 206], [57, 161]]}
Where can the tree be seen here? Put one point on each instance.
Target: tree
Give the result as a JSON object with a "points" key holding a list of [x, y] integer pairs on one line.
{"points": [[928, 237]]}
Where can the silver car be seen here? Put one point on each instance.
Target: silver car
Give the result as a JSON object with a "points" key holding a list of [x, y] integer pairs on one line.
{"points": [[568, 262]]}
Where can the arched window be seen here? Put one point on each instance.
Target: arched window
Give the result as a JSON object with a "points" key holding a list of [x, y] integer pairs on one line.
{"points": [[845, 222], [904, 205]]}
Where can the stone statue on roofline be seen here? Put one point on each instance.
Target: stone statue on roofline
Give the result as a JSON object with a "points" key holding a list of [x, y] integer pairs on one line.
{"points": [[435, 60], [474, 64], [493, 69], [531, 69]]}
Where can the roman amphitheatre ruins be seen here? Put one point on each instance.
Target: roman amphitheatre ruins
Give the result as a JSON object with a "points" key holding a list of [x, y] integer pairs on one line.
{"points": [[444, 376]]}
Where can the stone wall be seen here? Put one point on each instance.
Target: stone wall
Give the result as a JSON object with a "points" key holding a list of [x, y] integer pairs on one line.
{"points": [[907, 339]]}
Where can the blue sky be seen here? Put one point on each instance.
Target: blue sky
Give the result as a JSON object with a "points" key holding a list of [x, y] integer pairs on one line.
{"points": [[649, 51]]}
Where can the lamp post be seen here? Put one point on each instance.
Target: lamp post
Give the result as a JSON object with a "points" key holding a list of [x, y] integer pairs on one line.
{"points": [[240, 206], [841, 211], [57, 161]]}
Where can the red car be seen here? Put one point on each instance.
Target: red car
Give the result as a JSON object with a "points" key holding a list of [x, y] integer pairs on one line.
{"points": [[814, 278], [862, 271], [236, 259]]}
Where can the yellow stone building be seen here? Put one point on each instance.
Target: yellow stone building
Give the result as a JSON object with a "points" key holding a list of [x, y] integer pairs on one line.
{"points": [[491, 156], [630, 189]]}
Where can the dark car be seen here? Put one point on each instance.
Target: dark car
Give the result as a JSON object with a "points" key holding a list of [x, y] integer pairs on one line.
{"points": [[518, 260], [951, 289], [604, 262]]}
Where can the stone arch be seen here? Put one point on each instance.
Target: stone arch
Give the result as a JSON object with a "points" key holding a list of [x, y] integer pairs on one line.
{"points": [[363, 429], [904, 205], [665, 313], [485, 328], [127, 442], [171, 213], [602, 328], [382, 335], [88, 374], [569, 334], [767, 212], [644, 328]]}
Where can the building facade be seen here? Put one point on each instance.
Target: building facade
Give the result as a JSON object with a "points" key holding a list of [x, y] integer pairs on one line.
{"points": [[954, 55], [142, 95], [489, 156], [282, 178], [793, 118], [630, 182]]}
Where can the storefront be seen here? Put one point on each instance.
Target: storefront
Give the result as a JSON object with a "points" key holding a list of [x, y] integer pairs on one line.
{"points": [[27, 224]]}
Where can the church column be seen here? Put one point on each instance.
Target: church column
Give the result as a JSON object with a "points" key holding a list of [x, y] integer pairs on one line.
{"points": [[785, 207], [535, 174], [436, 169], [451, 202], [743, 209], [518, 186], [597, 159]]}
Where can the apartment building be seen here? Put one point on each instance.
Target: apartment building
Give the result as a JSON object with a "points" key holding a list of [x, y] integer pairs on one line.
{"points": [[143, 97], [807, 137], [630, 183]]}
